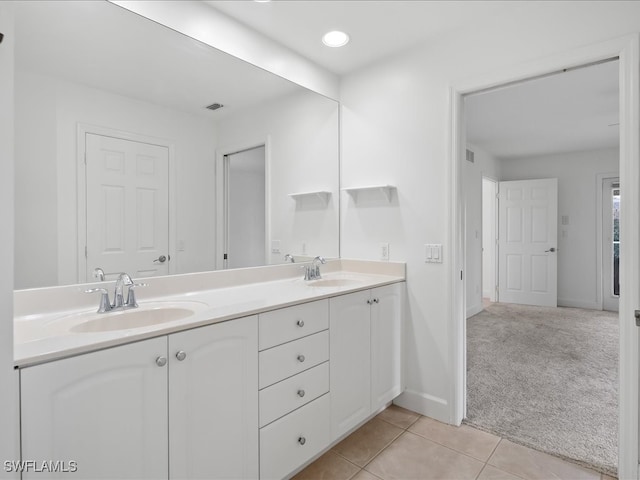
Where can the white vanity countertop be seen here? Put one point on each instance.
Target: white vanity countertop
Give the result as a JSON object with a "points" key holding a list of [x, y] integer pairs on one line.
{"points": [[42, 334]]}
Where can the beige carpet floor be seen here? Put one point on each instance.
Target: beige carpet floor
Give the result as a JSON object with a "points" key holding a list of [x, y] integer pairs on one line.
{"points": [[546, 378]]}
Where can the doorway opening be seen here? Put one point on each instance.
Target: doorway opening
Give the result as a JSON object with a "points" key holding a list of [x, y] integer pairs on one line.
{"points": [[546, 141], [245, 214]]}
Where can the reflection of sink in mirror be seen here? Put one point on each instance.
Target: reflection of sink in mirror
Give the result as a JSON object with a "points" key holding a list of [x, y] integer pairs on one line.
{"points": [[334, 282], [131, 319]]}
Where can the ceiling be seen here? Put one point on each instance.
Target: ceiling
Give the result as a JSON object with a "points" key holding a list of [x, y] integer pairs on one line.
{"points": [[571, 111], [377, 28], [562, 113]]}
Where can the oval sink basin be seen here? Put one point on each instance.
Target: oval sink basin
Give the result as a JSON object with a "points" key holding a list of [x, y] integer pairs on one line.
{"points": [[333, 282], [123, 320]]}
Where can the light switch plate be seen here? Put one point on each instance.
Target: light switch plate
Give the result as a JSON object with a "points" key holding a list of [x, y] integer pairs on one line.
{"points": [[433, 253]]}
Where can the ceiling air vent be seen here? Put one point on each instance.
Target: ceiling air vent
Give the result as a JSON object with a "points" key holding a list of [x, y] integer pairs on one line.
{"points": [[470, 156], [215, 106]]}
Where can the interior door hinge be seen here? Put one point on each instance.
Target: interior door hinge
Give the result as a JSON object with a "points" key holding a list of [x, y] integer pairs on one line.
{"points": [[85, 158], [225, 257], [637, 315]]}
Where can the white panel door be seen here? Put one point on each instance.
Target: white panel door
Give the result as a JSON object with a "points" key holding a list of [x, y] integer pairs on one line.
{"points": [[213, 401], [528, 225], [127, 202], [106, 411]]}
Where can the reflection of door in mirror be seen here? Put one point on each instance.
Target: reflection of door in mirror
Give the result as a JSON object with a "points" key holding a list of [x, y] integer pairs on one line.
{"points": [[127, 207], [245, 211]]}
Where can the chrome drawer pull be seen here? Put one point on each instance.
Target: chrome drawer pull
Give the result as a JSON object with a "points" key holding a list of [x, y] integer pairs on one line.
{"points": [[302, 440], [301, 358], [300, 323], [301, 393]]}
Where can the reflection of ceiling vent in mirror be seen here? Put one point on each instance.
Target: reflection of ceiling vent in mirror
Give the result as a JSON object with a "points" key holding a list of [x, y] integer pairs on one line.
{"points": [[215, 106], [470, 156]]}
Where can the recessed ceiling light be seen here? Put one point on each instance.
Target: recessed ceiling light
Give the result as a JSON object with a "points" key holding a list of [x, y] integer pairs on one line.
{"points": [[335, 39]]}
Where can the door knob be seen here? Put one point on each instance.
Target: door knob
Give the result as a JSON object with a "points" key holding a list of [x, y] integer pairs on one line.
{"points": [[552, 249], [160, 259]]}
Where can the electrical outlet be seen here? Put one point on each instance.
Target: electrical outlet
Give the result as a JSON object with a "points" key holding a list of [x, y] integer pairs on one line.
{"points": [[181, 246], [304, 248], [384, 251], [275, 246]]}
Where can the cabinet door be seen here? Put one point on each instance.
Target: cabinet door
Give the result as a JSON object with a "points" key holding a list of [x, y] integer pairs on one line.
{"points": [[386, 344], [350, 361], [106, 411], [213, 399]]}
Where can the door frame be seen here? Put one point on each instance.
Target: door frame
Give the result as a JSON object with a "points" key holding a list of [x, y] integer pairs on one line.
{"points": [[600, 258], [627, 49], [81, 189], [221, 192]]}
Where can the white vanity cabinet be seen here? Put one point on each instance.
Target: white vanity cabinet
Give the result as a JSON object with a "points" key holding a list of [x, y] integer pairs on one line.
{"points": [[105, 410], [213, 401], [366, 354], [294, 387], [179, 406]]}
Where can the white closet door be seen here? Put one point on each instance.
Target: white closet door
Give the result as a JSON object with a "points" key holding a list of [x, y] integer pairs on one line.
{"points": [[528, 242]]}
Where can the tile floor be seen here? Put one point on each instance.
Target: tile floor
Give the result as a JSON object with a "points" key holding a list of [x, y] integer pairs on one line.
{"points": [[399, 444]]}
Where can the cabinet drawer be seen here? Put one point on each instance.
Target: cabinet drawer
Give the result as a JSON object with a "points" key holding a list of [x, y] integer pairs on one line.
{"points": [[289, 442], [286, 360], [287, 324], [294, 392]]}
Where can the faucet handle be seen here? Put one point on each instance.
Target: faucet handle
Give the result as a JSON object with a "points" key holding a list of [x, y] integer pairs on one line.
{"points": [[105, 304], [131, 295]]}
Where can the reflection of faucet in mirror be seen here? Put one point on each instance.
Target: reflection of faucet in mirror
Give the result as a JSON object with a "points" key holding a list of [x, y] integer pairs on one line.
{"points": [[98, 274], [289, 257], [312, 271]]}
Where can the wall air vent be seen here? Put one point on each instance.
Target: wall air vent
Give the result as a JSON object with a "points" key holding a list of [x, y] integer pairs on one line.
{"points": [[470, 156], [215, 106]]}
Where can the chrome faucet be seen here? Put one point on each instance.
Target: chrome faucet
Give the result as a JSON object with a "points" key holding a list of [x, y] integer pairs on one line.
{"points": [[312, 271], [124, 280], [118, 296]]}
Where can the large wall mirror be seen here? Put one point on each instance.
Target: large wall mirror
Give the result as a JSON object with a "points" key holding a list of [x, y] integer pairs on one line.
{"points": [[120, 165]]}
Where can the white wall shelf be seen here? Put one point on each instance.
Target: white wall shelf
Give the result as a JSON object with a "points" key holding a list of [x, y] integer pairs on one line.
{"points": [[385, 189], [321, 194]]}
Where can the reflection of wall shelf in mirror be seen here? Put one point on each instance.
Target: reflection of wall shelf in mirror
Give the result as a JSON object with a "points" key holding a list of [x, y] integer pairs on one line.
{"points": [[321, 194], [385, 189]]}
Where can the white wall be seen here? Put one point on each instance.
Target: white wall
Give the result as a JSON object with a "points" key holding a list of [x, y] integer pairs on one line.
{"points": [[396, 129], [303, 157], [489, 236], [47, 115], [485, 165], [8, 376], [578, 272]]}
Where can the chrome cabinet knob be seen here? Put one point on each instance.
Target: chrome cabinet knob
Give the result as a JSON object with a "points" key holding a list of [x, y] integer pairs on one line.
{"points": [[300, 323], [301, 393], [302, 440], [301, 358], [181, 355], [376, 300], [369, 302], [161, 361]]}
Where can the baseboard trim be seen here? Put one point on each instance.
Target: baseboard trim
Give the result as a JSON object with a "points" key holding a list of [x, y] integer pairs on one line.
{"points": [[425, 404], [471, 311], [567, 302]]}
